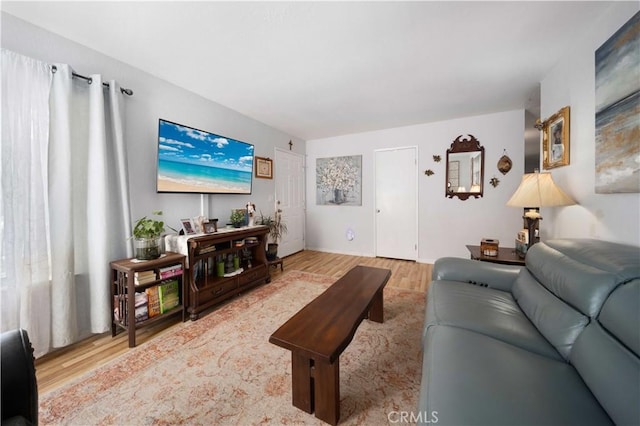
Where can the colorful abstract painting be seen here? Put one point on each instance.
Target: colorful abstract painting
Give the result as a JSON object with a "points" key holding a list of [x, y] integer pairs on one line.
{"points": [[618, 111]]}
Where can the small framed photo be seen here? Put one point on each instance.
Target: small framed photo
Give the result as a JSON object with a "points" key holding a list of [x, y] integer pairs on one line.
{"points": [[210, 227], [188, 227], [555, 140], [264, 168]]}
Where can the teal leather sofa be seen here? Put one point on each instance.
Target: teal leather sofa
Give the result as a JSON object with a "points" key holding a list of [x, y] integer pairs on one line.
{"points": [[556, 342]]}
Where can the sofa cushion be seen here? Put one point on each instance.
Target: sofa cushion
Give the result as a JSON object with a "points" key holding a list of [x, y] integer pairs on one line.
{"points": [[484, 310], [618, 259], [606, 355], [577, 270], [470, 378], [620, 315], [558, 322]]}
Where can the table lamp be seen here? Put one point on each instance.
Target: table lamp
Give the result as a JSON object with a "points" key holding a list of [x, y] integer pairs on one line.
{"points": [[537, 190]]}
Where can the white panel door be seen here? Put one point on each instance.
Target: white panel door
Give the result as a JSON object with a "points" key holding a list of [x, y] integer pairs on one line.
{"points": [[290, 199], [396, 180]]}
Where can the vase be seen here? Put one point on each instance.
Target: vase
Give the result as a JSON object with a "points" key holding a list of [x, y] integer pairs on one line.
{"points": [[147, 248], [338, 196]]}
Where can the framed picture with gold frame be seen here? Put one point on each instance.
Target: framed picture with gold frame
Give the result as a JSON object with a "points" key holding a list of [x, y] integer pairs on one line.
{"points": [[555, 140], [264, 168]]}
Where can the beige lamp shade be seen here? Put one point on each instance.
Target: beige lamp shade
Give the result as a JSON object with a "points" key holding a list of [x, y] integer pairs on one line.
{"points": [[539, 190]]}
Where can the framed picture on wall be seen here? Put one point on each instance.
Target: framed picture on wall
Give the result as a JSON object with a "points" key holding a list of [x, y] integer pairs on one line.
{"points": [[264, 168], [555, 140], [339, 181]]}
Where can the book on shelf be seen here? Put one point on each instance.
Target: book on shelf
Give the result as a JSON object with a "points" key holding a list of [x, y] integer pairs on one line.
{"points": [[169, 296], [144, 277], [205, 250], [141, 299], [142, 313], [153, 302], [170, 268], [120, 307], [170, 273]]}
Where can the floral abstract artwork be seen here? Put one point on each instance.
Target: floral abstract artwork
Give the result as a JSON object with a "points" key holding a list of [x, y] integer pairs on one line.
{"points": [[339, 181], [618, 111]]}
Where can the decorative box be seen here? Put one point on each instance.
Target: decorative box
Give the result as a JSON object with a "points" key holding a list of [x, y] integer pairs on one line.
{"points": [[489, 246]]}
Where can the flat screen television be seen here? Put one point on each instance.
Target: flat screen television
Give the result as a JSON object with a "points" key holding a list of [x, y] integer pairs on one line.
{"points": [[191, 160]]}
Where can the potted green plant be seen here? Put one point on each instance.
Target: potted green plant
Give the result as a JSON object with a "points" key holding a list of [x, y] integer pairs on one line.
{"points": [[147, 237], [277, 229], [237, 218]]}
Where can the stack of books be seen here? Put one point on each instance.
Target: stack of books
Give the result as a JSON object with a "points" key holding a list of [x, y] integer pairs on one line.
{"points": [[162, 298], [120, 307], [170, 271], [142, 313], [144, 277]]}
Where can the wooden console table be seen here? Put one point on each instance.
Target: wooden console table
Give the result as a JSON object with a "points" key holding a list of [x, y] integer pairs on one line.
{"points": [[320, 332], [204, 287], [506, 256]]}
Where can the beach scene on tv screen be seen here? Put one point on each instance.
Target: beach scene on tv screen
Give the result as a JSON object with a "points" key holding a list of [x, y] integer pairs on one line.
{"points": [[191, 160]]}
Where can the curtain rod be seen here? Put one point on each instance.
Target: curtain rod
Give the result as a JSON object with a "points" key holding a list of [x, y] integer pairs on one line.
{"points": [[90, 80]]}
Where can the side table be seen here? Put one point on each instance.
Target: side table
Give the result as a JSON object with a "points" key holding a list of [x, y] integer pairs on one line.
{"points": [[506, 256], [276, 262]]}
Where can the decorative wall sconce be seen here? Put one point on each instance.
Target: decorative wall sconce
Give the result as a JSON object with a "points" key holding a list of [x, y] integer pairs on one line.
{"points": [[504, 163], [436, 158], [494, 181], [539, 125], [428, 172]]}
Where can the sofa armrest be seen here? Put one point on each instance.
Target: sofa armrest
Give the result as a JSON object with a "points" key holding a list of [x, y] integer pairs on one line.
{"points": [[493, 275]]}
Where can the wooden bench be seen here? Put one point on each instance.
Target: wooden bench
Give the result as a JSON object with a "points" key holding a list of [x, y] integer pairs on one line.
{"points": [[320, 332]]}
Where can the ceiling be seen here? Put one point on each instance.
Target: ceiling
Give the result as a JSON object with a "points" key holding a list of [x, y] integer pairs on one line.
{"points": [[320, 69]]}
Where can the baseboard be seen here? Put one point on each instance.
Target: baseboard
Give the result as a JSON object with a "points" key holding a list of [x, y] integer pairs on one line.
{"points": [[326, 250]]}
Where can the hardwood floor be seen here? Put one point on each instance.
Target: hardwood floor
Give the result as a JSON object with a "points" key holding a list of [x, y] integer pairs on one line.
{"points": [[63, 365]]}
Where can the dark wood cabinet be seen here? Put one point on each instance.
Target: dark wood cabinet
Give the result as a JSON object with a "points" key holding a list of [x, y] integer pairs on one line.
{"points": [[127, 281], [205, 286]]}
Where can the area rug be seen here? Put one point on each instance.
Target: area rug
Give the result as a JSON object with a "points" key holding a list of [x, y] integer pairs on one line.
{"points": [[222, 370]]}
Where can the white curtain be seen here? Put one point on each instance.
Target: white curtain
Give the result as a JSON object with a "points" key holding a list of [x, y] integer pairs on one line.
{"points": [[87, 205], [24, 287]]}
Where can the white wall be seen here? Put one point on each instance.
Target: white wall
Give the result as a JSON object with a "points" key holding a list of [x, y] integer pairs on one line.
{"points": [[155, 98], [614, 217], [445, 225]]}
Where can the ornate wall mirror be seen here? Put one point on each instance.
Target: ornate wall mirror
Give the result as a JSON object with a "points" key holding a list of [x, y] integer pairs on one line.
{"points": [[465, 168]]}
